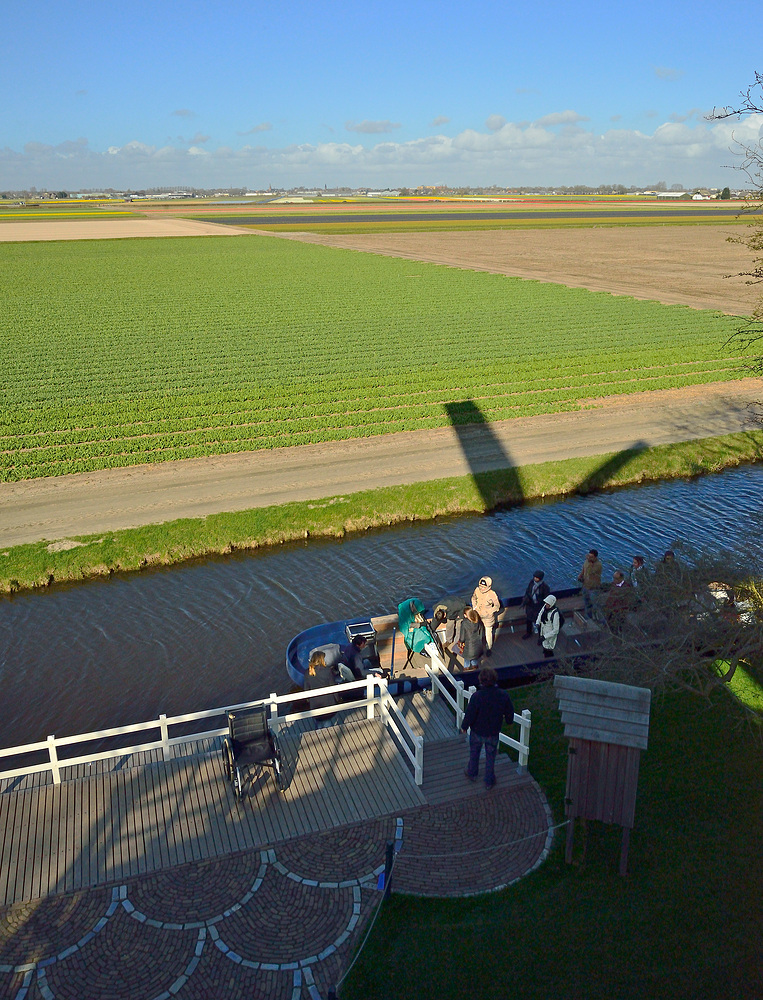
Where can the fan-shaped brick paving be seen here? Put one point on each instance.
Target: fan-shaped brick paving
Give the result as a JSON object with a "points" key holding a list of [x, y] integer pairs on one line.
{"points": [[275, 923]]}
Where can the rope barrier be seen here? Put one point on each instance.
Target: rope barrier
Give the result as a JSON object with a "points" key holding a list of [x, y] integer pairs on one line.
{"points": [[469, 854], [428, 857]]}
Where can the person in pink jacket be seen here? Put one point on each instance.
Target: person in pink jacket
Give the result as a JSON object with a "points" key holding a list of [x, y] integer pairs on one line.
{"points": [[487, 605]]}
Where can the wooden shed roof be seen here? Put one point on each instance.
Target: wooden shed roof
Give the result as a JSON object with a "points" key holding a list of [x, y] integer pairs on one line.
{"points": [[604, 712]]}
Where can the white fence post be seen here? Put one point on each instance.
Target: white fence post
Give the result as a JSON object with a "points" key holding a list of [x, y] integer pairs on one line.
{"points": [[524, 739], [53, 752], [418, 771], [165, 736], [274, 723], [384, 700], [369, 695], [460, 703], [437, 666]]}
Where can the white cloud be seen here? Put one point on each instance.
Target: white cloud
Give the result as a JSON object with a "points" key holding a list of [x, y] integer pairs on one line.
{"points": [[688, 115], [184, 113], [371, 128], [667, 73], [262, 127], [495, 122], [439, 120], [560, 118], [516, 153]]}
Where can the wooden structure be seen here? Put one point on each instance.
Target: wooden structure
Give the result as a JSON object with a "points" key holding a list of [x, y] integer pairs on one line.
{"points": [[143, 811], [608, 726]]}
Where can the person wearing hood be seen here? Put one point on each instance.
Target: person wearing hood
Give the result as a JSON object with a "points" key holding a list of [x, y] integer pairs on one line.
{"points": [[487, 605], [536, 593], [471, 638], [548, 625]]}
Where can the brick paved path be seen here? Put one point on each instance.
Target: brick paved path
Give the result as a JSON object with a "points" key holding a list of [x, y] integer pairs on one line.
{"points": [[280, 923]]}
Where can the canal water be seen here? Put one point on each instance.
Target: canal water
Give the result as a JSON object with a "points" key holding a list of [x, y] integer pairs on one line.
{"points": [[214, 633]]}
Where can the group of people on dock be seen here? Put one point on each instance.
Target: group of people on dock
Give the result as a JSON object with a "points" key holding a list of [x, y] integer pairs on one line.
{"points": [[472, 632], [612, 603]]}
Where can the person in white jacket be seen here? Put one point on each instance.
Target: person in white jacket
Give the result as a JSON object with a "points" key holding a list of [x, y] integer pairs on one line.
{"points": [[487, 605], [548, 625]]}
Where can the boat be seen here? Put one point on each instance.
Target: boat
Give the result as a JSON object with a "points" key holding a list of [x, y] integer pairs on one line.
{"points": [[516, 661]]}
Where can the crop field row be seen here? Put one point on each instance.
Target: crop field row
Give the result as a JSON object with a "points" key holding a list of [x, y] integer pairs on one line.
{"points": [[222, 408], [122, 352]]}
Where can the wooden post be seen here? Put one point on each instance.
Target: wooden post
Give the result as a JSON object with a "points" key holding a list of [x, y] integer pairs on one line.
{"points": [[570, 838], [624, 850]]}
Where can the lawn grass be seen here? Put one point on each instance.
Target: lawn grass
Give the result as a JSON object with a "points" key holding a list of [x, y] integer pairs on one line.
{"points": [[683, 924], [24, 567]]}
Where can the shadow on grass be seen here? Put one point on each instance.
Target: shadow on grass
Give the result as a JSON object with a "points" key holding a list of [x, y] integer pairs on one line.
{"points": [[492, 467]]}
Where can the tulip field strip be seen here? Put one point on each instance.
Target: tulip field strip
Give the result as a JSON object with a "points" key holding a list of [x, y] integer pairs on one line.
{"points": [[122, 352]]}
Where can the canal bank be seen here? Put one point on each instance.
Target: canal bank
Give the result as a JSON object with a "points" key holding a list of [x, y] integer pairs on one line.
{"points": [[79, 557]]}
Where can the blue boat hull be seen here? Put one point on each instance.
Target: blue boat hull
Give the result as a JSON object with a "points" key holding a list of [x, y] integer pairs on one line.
{"points": [[298, 653]]}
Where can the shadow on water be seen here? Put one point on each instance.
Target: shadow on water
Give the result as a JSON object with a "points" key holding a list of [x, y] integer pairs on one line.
{"points": [[492, 467]]}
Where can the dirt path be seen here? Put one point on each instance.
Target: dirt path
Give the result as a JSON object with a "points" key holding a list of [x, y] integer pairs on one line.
{"points": [[672, 264], [57, 508], [110, 229]]}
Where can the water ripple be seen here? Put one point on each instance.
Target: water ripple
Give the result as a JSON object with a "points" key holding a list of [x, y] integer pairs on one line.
{"points": [[215, 632]]}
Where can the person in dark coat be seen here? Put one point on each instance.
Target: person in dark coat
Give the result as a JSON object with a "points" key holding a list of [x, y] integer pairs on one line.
{"points": [[471, 639], [318, 676], [536, 593], [488, 709], [355, 656]]}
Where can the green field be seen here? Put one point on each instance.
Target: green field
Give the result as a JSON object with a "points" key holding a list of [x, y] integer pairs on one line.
{"points": [[121, 352]]}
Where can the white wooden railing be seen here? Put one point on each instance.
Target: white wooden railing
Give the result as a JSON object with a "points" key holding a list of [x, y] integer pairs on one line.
{"points": [[438, 673], [410, 744]]}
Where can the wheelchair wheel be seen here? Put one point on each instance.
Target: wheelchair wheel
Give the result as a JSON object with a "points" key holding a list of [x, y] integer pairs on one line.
{"points": [[226, 753], [237, 783]]}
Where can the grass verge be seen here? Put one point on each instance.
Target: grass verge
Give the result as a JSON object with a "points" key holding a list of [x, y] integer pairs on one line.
{"points": [[684, 923], [41, 564]]}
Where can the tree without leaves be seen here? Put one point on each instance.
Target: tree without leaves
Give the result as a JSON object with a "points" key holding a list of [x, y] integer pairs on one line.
{"points": [[690, 624], [748, 336]]}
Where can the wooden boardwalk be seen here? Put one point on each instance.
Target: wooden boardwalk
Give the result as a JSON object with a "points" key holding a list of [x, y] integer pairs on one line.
{"points": [[145, 816]]}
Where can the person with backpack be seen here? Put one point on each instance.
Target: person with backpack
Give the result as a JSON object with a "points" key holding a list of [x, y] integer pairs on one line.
{"points": [[549, 623], [537, 591]]}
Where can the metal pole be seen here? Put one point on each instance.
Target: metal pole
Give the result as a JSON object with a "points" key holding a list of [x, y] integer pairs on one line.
{"points": [[390, 854]]}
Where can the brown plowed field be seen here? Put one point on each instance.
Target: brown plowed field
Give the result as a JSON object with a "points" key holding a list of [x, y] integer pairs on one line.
{"points": [[671, 264]]}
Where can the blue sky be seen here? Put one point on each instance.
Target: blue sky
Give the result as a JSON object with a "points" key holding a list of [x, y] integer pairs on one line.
{"points": [[291, 93]]}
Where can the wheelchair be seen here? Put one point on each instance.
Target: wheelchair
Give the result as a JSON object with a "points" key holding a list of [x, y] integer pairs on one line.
{"points": [[250, 743]]}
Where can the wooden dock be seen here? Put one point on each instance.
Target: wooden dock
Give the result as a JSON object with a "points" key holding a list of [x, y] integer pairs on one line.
{"points": [[141, 815]]}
